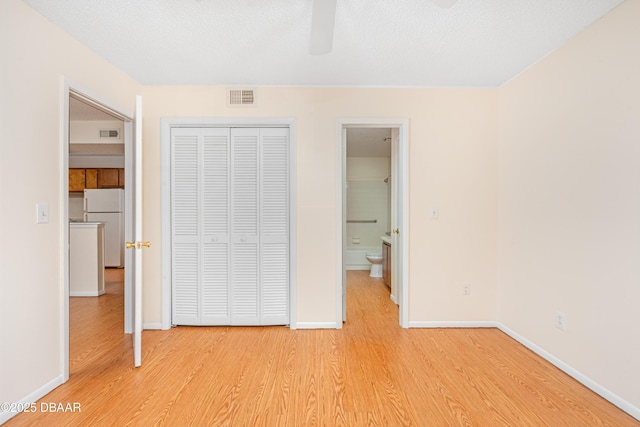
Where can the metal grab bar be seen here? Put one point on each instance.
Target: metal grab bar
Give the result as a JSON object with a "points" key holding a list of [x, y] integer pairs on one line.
{"points": [[362, 221]]}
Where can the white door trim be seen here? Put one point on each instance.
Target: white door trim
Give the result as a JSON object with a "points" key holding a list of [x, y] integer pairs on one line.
{"points": [[69, 87], [402, 274], [165, 176]]}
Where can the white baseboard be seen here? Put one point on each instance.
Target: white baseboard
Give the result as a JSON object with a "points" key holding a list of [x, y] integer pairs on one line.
{"points": [[577, 375], [153, 325], [454, 324], [316, 325], [566, 368], [394, 299], [85, 293], [32, 397]]}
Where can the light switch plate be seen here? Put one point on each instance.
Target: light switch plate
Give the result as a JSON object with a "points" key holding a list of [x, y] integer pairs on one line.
{"points": [[42, 213]]}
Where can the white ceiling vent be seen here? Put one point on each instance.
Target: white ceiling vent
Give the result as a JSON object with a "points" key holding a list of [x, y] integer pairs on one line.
{"points": [[109, 133], [241, 98]]}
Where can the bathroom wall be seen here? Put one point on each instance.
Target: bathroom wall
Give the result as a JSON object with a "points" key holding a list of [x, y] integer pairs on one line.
{"points": [[368, 198]]}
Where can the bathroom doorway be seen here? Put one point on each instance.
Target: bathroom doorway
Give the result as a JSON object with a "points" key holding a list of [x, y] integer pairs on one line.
{"points": [[372, 207], [368, 199]]}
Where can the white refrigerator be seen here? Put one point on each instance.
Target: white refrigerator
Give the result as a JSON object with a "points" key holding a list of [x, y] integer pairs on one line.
{"points": [[107, 206]]}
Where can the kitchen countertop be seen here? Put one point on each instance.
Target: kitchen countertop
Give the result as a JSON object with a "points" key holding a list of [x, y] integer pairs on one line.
{"points": [[87, 224]]}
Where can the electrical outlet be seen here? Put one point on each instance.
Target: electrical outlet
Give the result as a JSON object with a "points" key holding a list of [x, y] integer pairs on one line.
{"points": [[466, 289], [561, 320]]}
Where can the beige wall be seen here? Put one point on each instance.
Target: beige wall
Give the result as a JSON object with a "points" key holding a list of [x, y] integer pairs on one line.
{"points": [[453, 165], [35, 56], [570, 202]]}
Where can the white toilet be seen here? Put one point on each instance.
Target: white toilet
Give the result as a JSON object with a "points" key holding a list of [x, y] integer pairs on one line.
{"points": [[376, 264]]}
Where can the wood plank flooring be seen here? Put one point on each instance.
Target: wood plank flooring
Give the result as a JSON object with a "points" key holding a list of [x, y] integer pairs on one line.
{"points": [[372, 372]]}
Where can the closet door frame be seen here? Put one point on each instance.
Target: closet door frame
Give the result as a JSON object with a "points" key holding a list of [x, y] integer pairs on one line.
{"points": [[166, 124]]}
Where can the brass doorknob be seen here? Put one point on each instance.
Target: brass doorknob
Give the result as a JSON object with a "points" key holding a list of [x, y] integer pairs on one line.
{"points": [[137, 245], [396, 231]]}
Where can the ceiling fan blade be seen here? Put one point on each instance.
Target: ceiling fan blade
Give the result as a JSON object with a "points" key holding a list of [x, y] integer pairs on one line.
{"points": [[445, 4], [322, 22]]}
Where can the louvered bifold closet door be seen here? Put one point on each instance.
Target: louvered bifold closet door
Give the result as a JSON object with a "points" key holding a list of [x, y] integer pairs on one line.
{"points": [[274, 226], [245, 297], [230, 226], [200, 226], [185, 226], [215, 226]]}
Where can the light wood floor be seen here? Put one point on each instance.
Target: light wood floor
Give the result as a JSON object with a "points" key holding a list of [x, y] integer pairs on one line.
{"points": [[371, 373]]}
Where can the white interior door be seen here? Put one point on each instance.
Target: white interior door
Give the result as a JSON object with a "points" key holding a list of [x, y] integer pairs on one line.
{"points": [[137, 287], [400, 221], [396, 272], [136, 243], [344, 223]]}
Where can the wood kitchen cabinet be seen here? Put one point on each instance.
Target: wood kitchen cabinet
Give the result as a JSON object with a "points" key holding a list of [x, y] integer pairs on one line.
{"points": [[386, 264], [108, 178], [76, 179], [80, 178], [91, 178]]}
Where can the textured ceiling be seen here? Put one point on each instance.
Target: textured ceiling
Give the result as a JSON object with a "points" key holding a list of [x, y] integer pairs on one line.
{"points": [[475, 43]]}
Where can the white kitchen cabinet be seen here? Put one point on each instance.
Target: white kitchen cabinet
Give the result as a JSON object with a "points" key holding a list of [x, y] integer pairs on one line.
{"points": [[86, 259]]}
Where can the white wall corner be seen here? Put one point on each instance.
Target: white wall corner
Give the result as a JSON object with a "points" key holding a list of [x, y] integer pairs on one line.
{"points": [[574, 373], [563, 366], [32, 397]]}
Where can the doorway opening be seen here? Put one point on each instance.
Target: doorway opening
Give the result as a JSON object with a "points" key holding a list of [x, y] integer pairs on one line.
{"points": [[80, 105], [373, 183]]}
